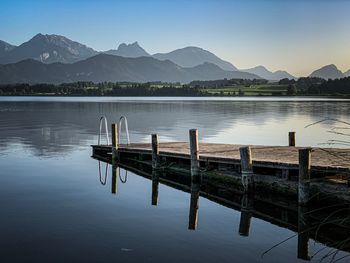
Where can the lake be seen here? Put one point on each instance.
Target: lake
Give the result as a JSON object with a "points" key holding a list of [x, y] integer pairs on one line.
{"points": [[56, 208]]}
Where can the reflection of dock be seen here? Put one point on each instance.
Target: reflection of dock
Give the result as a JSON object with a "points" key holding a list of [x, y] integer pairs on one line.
{"points": [[305, 221]]}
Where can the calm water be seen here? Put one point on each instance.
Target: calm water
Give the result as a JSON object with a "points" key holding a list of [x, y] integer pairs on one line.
{"points": [[55, 209]]}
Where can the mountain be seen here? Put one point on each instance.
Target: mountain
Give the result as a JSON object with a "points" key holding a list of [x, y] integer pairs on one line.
{"points": [[49, 49], [269, 75], [347, 73], [328, 72], [133, 50], [105, 67], [194, 56], [5, 47]]}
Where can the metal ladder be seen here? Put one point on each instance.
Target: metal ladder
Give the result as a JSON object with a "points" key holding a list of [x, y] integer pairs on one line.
{"points": [[126, 129], [120, 124], [103, 118]]}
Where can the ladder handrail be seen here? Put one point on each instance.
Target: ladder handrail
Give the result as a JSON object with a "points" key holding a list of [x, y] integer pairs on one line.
{"points": [[100, 131], [126, 129]]}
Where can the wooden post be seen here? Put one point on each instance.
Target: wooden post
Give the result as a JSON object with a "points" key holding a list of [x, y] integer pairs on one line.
{"points": [[155, 186], [155, 151], [194, 150], [304, 176], [247, 168], [291, 137], [115, 135], [115, 143]]}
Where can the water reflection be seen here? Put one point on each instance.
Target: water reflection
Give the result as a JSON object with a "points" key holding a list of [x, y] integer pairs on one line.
{"points": [[307, 222], [246, 214]]}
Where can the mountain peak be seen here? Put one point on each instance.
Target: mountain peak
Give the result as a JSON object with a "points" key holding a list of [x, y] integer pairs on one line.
{"points": [[328, 72], [48, 49], [132, 50], [267, 74], [192, 56], [5, 47]]}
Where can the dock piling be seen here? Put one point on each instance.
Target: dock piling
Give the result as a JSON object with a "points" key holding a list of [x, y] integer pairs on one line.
{"points": [[246, 168], [304, 176], [155, 151], [114, 142], [194, 150], [291, 137]]}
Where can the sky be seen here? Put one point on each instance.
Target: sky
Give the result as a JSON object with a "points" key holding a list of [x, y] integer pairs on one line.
{"points": [[294, 35]]}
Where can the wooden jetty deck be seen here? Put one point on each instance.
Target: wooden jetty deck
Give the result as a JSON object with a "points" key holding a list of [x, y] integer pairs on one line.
{"points": [[252, 165], [281, 157]]}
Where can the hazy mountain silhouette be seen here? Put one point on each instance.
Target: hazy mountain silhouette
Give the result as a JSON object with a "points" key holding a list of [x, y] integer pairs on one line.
{"points": [[194, 56], [133, 50], [328, 72], [105, 67], [267, 74], [347, 73], [5, 47], [49, 49]]}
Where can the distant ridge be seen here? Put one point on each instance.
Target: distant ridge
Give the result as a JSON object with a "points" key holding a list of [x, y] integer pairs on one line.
{"points": [[328, 72], [269, 75], [104, 67], [193, 56], [48, 49], [133, 50], [5, 48], [347, 73]]}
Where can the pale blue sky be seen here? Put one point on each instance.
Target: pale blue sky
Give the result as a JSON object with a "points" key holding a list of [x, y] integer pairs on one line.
{"points": [[294, 35]]}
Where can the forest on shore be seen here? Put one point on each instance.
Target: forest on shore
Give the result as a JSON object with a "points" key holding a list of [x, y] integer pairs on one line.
{"points": [[226, 87]]}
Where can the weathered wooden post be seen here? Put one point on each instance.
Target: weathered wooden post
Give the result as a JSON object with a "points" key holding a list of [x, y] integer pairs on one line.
{"points": [[194, 151], [291, 137], [304, 176], [303, 233], [193, 215], [155, 152], [246, 215], [115, 175], [155, 186], [247, 169], [115, 143]]}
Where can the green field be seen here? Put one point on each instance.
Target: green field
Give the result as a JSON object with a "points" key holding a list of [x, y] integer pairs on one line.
{"points": [[253, 90]]}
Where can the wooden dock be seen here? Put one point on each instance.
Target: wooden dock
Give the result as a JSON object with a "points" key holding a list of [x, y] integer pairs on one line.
{"points": [[292, 169], [281, 157]]}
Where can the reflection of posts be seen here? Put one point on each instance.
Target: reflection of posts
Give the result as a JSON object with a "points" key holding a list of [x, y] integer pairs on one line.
{"points": [[115, 175], [246, 214], [193, 216], [303, 233], [155, 186]]}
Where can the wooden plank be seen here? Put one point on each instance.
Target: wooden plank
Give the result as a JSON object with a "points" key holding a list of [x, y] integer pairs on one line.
{"points": [[324, 159]]}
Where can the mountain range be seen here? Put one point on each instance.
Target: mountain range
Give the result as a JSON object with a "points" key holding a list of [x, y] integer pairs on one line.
{"points": [[266, 74], [195, 61], [104, 67]]}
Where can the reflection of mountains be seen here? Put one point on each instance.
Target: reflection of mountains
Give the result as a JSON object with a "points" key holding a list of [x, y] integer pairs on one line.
{"points": [[50, 128]]}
